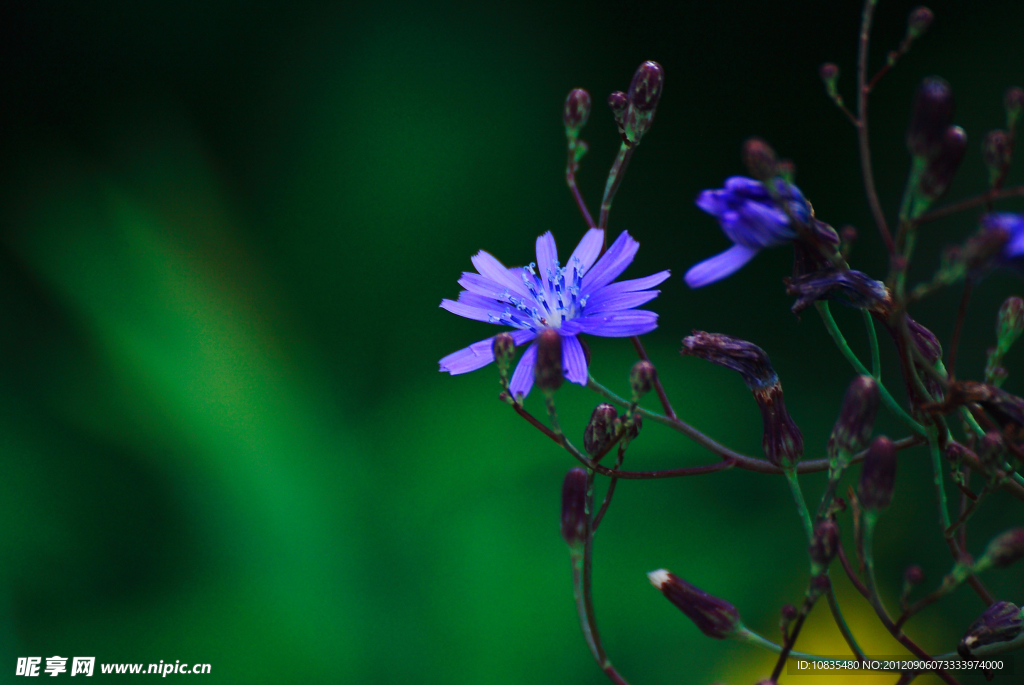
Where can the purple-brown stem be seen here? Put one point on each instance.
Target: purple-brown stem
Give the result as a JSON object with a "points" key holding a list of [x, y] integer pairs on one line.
{"points": [[570, 179], [954, 341], [984, 198]]}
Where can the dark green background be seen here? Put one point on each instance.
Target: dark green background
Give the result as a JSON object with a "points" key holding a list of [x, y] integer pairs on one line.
{"points": [[226, 228]]}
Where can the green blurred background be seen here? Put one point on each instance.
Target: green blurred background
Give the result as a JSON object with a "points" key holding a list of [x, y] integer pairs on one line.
{"points": [[226, 228]]}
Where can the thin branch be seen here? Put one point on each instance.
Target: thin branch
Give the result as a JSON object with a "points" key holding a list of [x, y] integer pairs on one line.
{"points": [[642, 353], [991, 195]]}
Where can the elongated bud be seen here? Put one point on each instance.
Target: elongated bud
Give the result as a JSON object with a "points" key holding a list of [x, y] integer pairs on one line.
{"points": [[600, 429], [760, 159], [856, 419], [1013, 101], [825, 543], [576, 111], [878, 477], [574, 507], [919, 21], [619, 103], [641, 378], [925, 341], [1006, 549], [829, 74], [1010, 323], [1001, 622], [851, 287], [995, 150], [913, 575], [931, 115], [713, 616], [504, 348], [943, 165], [644, 93], [547, 372]]}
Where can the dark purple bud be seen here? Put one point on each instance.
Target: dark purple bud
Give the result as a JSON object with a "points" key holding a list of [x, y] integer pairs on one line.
{"points": [[782, 441], [574, 507], [925, 341], [746, 358], [600, 429], [955, 453], [714, 617], [850, 287], [931, 115], [789, 612], [1006, 409], [913, 575], [642, 377], [982, 248], [1010, 323], [829, 73], [547, 372], [786, 170], [878, 477], [633, 427], [943, 165], [995, 150], [504, 348], [1001, 622], [644, 93], [821, 582], [825, 543], [619, 103], [919, 20], [760, 159], [1006, 549], [576, 111], [1013, 101], [856, 419], [848, 234]]}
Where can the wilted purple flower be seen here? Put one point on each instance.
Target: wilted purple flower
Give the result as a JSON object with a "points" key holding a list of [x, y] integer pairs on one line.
{"points": [[857, 418], [878, 477], [850, 287], [750, 218], [715, 617], [577, 298], [1006, 549], [1001, 622]]}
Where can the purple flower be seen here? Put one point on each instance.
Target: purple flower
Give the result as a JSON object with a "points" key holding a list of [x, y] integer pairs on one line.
{"points": [[1012, 226], [751, 219], [572, 299]]}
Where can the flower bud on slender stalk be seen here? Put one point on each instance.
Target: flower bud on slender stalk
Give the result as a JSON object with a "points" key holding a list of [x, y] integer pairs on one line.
{"points": [[641, 378], [574, 508], [576, 112], [643, 95], [1005, 549], [1001, 622], [825, 543], [600, 429], [1013, 101], [1010, 323], [995, 150], [760, 159], [547, 372], [919, 21], [504, 348], [713, 616], [856, 419], [878, 476], [941, 168], [931, 115], [619, 103]]}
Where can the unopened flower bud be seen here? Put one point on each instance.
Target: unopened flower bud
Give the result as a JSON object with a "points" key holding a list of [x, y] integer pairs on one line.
{"points": [[641, 378], [713, 616], [574, 507], [1013, 101], [634, 426], [825, 543], [878, 477], [925, 341], [504, 348], [786, 170], [619, 103], [856, 418], [1001, 622], [829, 73], [547, 372], [576, 111], [943, 164], [931, 115], [643, 95], [995, 150], [1010, 323], [913, 575], [918, 21], [1006, 549], [789, 612], [600, 429], [760, 159]]}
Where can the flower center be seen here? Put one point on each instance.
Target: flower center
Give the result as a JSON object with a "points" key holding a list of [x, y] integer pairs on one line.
{"points": [[553, 299]]}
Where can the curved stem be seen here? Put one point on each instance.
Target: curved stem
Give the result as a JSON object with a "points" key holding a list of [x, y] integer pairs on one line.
{"points": [[876, 357], [642, 353], [611, 186]]}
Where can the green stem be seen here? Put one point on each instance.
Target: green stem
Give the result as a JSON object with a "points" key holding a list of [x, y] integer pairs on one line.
{"points": [[837, 616], [801, 504], [844, 347], [940, 488], [750, 637], [876, 358]]}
